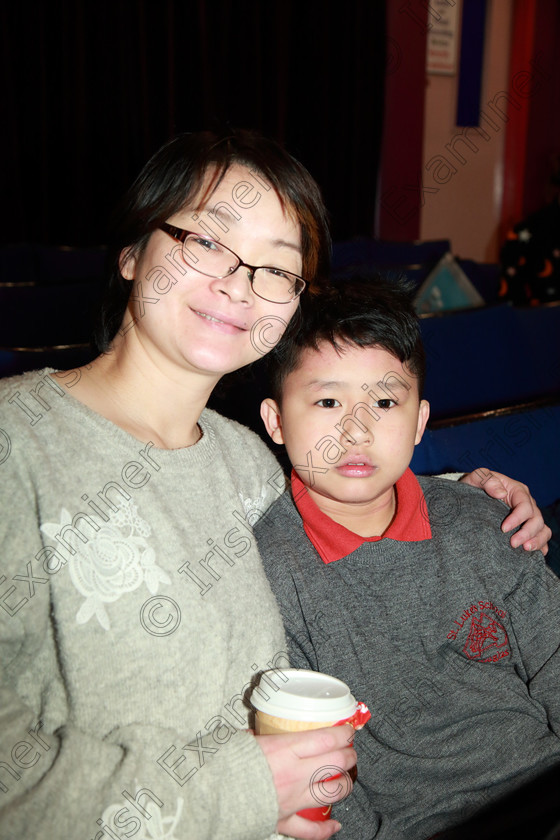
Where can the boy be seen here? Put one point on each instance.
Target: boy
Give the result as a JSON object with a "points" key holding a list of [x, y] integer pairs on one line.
{"points": [[404, 588]]}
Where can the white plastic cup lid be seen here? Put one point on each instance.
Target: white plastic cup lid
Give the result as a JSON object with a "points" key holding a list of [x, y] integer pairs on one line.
{"points": [[296, 694]]}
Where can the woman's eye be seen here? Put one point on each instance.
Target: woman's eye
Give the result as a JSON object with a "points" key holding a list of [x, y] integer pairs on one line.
{"points": [[386, 404], [328, 402], [207, 244], [277, 272]]}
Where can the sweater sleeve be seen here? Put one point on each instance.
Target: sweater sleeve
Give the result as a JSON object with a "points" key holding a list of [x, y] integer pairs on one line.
{"points": [[534, 605], [56, 778], [278, 548]]}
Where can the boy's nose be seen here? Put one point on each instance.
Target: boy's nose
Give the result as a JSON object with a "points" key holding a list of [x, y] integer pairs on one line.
{"points": [[356, 432]]}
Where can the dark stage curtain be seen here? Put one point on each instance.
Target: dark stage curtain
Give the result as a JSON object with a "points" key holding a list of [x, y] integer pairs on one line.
{"points": [[93, 88]]}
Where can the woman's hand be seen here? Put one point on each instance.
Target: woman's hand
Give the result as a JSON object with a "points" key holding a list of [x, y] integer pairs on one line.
{"points": [[299, 762], [534, 534]]}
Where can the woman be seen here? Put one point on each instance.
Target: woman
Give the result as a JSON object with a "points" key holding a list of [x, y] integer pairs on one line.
{"points": [[135, 609]]}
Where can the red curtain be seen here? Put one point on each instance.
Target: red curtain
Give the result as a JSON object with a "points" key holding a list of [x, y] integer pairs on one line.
{"points": [[533, 127], [401, 191]]}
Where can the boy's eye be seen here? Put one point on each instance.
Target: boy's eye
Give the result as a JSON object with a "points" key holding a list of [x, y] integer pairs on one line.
{"points": [[385, 403], [328, 402]]}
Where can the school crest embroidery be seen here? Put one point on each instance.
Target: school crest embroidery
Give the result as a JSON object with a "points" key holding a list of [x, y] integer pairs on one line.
{"points": [[486, 635]]}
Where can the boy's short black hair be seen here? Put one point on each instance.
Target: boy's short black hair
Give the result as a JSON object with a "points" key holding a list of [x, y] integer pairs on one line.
{"points": [[360, 312]]}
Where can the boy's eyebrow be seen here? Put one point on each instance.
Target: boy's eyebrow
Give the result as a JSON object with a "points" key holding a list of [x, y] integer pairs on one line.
{"points": [[324, 383], [392, 385]]}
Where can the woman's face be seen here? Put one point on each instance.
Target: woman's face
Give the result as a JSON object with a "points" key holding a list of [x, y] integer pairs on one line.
{"points": [[186, 320]]}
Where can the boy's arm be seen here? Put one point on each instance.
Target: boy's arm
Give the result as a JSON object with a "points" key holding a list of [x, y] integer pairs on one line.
{"points": [[534, 607]]}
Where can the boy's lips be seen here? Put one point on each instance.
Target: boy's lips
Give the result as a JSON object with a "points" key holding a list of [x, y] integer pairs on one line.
{"points": [[356, 467]]}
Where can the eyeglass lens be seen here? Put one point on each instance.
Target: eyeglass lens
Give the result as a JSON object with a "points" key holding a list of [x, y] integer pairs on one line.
{"points": [[212, 258]]}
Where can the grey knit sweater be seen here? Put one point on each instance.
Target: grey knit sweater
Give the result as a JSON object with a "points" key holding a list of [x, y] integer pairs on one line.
{"points": [[133, 612], [453, 643]]}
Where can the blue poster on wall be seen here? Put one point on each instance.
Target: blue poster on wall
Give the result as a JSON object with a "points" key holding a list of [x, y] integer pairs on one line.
{"points": [[470, 65]]}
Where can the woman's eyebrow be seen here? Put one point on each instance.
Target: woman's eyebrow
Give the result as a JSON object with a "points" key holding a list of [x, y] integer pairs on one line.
{"points": [[222, 212], [227, 217], [283, 243]]}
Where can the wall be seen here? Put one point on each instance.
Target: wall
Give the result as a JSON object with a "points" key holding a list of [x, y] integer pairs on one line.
{"points": [[468, 177]]}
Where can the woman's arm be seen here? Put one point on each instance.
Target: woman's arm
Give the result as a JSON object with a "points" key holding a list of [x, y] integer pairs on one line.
{"points": [[533, 533], [62, 774]]}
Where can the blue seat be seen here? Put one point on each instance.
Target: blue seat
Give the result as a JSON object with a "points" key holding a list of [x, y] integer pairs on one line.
{"points": [[485, 277], [521, 442], [62, 265], [13, 362], [18, 264], [48, 301], [37, 316], [48, 264], [491, 357], [371, 254]]}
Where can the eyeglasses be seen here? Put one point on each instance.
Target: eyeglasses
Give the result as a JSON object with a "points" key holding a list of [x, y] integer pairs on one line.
{"points": [[213, 259]]}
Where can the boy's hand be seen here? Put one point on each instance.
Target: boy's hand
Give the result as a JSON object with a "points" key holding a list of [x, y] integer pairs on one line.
{"points": [[534, 534], [299, 762]]}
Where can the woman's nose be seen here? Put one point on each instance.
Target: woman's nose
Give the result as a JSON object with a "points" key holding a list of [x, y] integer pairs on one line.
{"points": [[237, 285]]}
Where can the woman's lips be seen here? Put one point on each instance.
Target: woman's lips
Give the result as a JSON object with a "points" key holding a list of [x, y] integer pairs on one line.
{"points": [[220, 322]]}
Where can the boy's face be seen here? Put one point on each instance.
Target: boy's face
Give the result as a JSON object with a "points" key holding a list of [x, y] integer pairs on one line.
{"points": [[349, 422]]}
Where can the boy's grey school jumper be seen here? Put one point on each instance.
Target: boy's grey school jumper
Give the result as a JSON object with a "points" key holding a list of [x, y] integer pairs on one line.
{"points": [[453, 643]]}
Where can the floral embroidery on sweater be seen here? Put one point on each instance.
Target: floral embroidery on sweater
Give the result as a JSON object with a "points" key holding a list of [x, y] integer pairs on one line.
{"points": [[254, 508], [115, 559], [153, 826]]}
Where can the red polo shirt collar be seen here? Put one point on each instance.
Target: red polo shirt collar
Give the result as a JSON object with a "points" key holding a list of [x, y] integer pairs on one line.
{"points": [[334, 541]]}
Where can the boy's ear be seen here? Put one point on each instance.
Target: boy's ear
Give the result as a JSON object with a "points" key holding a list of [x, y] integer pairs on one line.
{"points": [[272, 420], [127, 263], [423, 415]]}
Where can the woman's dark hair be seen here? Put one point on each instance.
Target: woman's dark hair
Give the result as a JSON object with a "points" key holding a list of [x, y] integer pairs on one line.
{"points": [[360, 312], [176, 175]]}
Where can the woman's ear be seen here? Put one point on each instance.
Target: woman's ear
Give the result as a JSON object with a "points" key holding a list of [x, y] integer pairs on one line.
{"points": [[127, 263], [272, 419]]}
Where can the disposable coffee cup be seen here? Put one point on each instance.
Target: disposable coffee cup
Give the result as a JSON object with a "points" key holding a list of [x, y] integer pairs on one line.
{"points": [[294, 700]]}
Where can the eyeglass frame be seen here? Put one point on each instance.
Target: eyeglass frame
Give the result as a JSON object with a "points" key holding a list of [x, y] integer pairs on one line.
{"points": [[180, 235]]}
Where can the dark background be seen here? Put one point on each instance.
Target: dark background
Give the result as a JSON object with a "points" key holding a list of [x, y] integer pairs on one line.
{"points": [[92, 89]]}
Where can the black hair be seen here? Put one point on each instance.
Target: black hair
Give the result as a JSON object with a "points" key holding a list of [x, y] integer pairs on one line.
{"points": [[360, 312], [177, 174]]}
